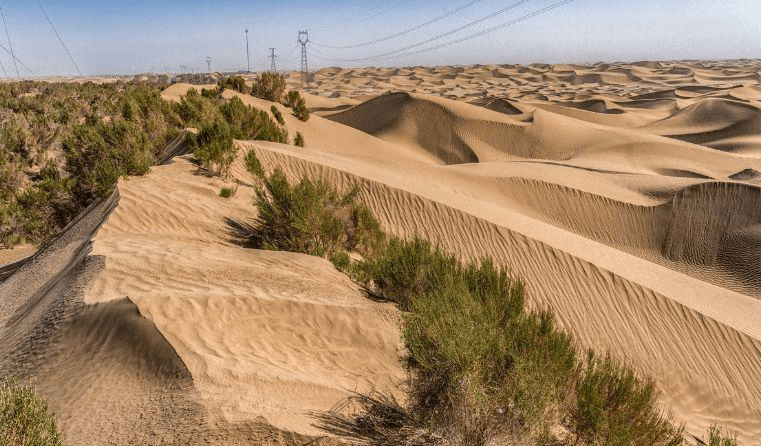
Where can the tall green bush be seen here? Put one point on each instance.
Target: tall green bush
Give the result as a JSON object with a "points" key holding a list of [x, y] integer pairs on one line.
{"points": [[269, 86], [310, 217], [213, 147], [236, 83], [615, 406]]}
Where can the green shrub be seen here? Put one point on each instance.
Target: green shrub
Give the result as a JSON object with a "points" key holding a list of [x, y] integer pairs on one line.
{"points": [[301, 111], [25, 418], [194, 110], [213, 147], [278, 116], [269, 86], [236, 83], [209, 93], [98, 154], [615, 406], [292, 99], [341, 260], [253, 165], [298, 140], [248, 123], [226, 192], [310, 217], [719, 437]]}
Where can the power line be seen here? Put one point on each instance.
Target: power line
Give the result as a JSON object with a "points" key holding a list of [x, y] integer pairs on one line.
{"points": [[17, 59], [343, 23], [9, 43], [383, 11], [59, 38], [406, 31], [399, 53], [488, 30], [448, 33]]}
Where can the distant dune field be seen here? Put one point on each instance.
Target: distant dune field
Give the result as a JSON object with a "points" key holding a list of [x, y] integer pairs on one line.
{"points": [[626, 196]]}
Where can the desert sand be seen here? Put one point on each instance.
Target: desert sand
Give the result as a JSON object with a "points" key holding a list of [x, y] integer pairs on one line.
{"points": [[626, 196]]}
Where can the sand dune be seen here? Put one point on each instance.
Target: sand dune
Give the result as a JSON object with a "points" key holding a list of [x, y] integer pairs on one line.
{"points": [[626, 196]]}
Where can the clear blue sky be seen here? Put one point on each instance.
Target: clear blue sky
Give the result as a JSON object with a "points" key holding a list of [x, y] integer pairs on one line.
{"points": [[137, 36]]}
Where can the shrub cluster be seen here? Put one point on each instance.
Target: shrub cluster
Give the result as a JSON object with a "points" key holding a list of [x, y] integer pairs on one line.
{"points": [[25, 418], [104, 131], [269, 86]]}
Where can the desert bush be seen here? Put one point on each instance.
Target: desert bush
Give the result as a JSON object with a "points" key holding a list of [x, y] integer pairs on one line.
{"points": [[277, 115], [301, 111], [25, 419], [209, 93], [310, 217], [213, 147], [292, 99], [248, 123], [269, 86], [341, 260], [195, 110], [98, 154], [236, 83], [226, 192], [718, 436], [298, 140], [253, 165], [615, 406]]}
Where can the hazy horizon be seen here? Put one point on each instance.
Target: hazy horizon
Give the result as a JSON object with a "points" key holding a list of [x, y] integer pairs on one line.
{"points": [[131, 37]]}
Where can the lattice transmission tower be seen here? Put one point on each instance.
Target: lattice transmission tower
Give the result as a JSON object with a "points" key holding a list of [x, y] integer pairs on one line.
{"points": [[272, 58], [303, 40]]}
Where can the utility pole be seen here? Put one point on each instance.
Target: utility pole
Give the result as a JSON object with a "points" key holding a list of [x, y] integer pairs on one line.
{"points": [[272, 57], [208, 63], [248, 59], [304, 67]]}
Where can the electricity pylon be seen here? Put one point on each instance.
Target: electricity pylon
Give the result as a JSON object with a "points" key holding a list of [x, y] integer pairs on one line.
{"points": [[304, 68], [272, 57]]}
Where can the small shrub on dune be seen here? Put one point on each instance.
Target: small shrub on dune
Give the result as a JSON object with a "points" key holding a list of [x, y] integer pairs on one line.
{"points": [[248, 123], [292, 99], [310, 217], [226, 192], [25, 418], [719, 437], [213, 147], [253, 165], [615, 406], [269, 86], [277, 115], [298, 140], [236, 83], [209, 93], [301, 111]]}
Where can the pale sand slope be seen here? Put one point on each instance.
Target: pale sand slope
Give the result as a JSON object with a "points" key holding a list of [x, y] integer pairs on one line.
{"points": [[263, 334]]}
